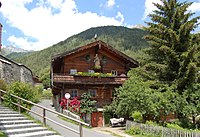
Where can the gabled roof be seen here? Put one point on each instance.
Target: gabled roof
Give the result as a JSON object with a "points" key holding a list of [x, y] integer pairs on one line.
{"points": [[93, 44]]}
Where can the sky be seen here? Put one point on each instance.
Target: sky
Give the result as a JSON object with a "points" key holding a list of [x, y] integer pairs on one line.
{"points": [[38, 24]]}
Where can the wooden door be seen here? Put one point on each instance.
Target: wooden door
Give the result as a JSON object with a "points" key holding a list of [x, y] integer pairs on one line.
{"points": [[97, 119]]}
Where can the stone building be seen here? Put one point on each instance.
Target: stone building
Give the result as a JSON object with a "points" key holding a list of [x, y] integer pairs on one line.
{"points": [[11, 71]]}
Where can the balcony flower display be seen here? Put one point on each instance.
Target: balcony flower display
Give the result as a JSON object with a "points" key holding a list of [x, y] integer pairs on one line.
{"points": [[97, 74]]}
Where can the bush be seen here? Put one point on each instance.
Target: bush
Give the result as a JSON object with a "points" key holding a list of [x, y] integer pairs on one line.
{"points": [[174, 126], [107, 117], [23, 90], [47, 94], [137, 116], [151, 123], [133, 130]]}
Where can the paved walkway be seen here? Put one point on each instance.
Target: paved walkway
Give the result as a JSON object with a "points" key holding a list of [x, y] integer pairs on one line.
{"points": [[115, 130], [64, 132]]}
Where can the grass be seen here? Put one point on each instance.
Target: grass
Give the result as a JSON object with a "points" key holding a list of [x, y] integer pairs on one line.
{"points": [[2, 134], [71, 121]]}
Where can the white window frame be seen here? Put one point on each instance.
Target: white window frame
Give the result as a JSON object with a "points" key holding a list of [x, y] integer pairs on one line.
{"points": [[90, 71], [73, 71]]}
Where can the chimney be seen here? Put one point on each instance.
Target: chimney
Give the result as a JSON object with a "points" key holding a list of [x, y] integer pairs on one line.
{"points": [[1, 26]]}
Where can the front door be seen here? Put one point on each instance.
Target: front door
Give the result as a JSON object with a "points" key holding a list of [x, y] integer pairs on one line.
{"points": [[97, 119]]}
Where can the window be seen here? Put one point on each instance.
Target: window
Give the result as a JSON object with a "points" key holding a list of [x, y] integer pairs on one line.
{"points": [[73, 71], [104, 59], [87, 57], [91, 71], [92, 92], [74, 93], [114, 72]]}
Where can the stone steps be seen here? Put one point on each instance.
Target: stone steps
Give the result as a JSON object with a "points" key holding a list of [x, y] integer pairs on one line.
{"points": [[14, 124], [10, 115]]}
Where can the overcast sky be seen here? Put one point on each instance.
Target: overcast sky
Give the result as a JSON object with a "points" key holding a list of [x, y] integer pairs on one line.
{"points": [[38, 24]]}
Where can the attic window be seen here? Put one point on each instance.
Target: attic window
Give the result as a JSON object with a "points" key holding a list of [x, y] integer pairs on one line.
{"points": [[104, 59], [87, 58]]}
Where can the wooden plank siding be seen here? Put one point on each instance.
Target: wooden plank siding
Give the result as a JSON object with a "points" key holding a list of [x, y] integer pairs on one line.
{"points": [[80, 63], [82, 59], [103, 94]]}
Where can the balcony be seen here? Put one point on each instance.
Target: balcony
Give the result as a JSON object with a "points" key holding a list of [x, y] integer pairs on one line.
{"points": [[77, 79]]}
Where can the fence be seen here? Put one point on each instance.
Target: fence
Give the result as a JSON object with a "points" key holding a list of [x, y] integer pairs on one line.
{"points": [[70, 114], [158, 131], [44, 116]]}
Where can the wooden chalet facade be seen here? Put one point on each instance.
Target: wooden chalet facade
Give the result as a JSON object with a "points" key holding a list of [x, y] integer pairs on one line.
{"points": [[95, 68]]}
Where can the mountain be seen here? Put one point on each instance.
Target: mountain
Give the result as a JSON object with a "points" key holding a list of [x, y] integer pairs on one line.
{"points": [[121, 38], [6, 50], [15, 55], [139, 26]]}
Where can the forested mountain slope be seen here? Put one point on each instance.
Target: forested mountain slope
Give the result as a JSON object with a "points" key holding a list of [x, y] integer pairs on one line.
{"points": [[121, 38]]}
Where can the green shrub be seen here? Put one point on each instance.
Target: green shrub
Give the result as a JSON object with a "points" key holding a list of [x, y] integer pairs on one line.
{"points": [[133, 131], [47, 94], [2, 134], [174, 126], [107, 117], [151, 123], [23, 90], [137, 116]]}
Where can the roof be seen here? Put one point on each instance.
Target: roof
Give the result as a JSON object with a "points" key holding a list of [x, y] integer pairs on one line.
{"points": [[8, 61], [93, 44]]}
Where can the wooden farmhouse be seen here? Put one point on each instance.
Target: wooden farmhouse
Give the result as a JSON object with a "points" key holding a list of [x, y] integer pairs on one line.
{"points": [[95, 68]]}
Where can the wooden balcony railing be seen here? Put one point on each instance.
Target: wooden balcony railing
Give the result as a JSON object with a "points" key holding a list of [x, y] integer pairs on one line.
{"points": [[77, 79]]}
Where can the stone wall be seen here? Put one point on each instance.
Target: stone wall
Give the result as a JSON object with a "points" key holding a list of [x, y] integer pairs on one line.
{"points": [[11, 71]]}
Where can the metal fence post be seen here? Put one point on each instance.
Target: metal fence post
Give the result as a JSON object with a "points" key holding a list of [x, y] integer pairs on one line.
{"points": [[80, 130], [44, 117]]}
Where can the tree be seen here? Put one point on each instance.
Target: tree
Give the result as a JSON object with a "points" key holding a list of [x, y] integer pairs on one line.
{"points": [[139, 94], [87, 104], [165, 81], [173, 46], [45, 77], [174, 50], [191, 102]]}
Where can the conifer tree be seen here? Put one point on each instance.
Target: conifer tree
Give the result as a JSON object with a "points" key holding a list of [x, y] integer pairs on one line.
{"points": [[167, 80], [173, 43]]}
